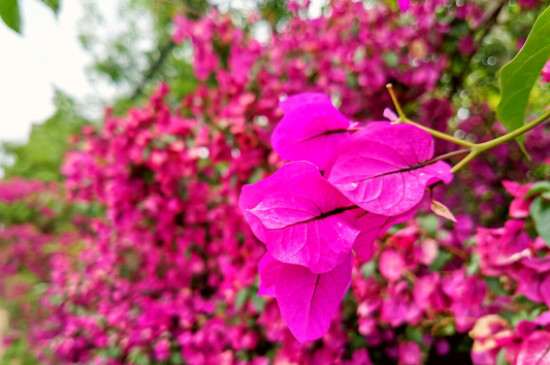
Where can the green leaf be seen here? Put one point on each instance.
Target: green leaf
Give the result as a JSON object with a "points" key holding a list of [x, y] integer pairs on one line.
{"points": [[413, 334], [496, 287], [52, 4], [540, 211], [538, 188], [241, 298], [429, 223], [501, 357], [442, 258], [473, 266], [10, 14], [519, 76], [368, 269], [257, 302], [391, 59]]}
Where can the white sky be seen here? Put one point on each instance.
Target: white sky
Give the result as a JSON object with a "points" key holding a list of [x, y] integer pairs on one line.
{"points": [[48, 54]]}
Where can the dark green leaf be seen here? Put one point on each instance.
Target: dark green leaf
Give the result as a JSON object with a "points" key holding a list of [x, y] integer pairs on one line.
{"points": [[540, 211], [10, 14], [442, 258], [495, 286], [519, 75], [413, 334]]}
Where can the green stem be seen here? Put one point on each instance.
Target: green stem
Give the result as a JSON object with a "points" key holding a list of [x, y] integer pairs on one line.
{"points": [[433, 132], [396, 102], [514, 134], [477, 149], [439, 134]]}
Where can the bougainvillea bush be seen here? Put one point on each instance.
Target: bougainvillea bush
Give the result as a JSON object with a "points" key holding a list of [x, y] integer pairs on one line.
{"points": [[291, 210]]}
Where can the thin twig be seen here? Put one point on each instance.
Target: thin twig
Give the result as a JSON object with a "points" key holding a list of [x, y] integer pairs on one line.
{"points": [[153, 69]]}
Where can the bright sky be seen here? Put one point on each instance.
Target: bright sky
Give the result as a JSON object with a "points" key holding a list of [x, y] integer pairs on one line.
{"points": [[48, 54]]}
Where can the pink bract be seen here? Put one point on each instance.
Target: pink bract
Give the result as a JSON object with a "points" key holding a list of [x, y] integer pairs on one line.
{"points": [[312, 129], [404, 4], [302, 219], [535, 349], [383, 168], [307, 301]]}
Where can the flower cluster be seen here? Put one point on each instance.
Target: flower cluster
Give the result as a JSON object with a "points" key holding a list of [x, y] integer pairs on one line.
{"points": [[311, 222]]}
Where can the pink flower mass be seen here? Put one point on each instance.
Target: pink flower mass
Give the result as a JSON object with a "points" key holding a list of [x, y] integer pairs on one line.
{"points": [[273, 215]]}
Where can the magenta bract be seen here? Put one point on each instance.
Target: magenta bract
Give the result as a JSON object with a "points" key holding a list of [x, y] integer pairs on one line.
{"points": [[312, 129], [301, 217], [298, 100], [535, 349], [383, 169], [404, 4], [307, 301]]}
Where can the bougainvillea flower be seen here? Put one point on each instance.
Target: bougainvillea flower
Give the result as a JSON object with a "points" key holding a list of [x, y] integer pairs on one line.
{"points": [[312, 129], [404, 5], [295, 101], [391, 265], [535, 349], [383, 168], [307, 301], [301, 217], [519, 208]]}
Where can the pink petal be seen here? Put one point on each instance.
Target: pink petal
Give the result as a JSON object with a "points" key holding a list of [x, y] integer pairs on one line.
{"points": [[301, 217], [391, 265], [543, 319], [371, 226], [268, 270], [539, 264], [382, 168], [311, 130], [404, 5], [535, 349], [390, 115], [294, 101], [308, 301], [545, 290]]}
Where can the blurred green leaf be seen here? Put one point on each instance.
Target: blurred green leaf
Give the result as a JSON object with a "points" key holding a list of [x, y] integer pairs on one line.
{"points": [[241, 298], [540, 211], [538, 188], [52, 4], [391, 59], [41, 157], [501, 357], [519, 75], [258, 302], [494, 284], [10, 14]]}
